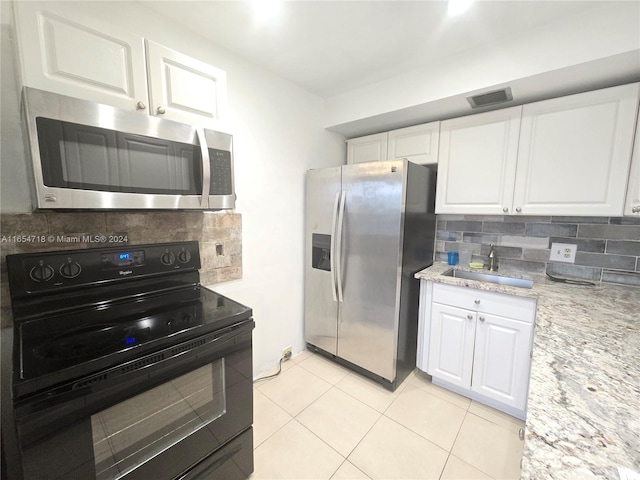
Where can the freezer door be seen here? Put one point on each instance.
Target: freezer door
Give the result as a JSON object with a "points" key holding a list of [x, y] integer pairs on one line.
{"points": [[370, 263], [321, 301]]}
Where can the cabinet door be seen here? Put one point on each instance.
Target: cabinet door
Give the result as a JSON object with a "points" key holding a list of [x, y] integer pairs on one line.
{"points": [[632, 205], [372, 148], [477, 162], [65, 51], [418, 144], [185, 89], [451, 344], [574, 153], [502, 359]]}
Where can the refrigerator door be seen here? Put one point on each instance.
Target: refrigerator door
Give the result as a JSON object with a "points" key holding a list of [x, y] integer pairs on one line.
{"points": [[370, 264], [323, 190]]}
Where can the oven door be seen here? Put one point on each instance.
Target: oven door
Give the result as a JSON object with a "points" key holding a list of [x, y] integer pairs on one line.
{"points": [[184, 412]]}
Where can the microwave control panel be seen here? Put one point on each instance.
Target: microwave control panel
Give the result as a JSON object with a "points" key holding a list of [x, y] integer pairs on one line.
{"points": [[221, 176]]}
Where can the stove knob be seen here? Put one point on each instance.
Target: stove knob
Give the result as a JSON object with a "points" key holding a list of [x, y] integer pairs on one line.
{"points": [[168, 258], [184, 256], [41, 272], [70, 269]]}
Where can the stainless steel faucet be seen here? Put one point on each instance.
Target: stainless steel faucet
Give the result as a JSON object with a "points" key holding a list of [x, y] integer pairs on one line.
{"points": [[493, 259]]}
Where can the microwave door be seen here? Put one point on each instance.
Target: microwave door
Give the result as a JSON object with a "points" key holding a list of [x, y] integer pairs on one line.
{"points": [[206, 167]]}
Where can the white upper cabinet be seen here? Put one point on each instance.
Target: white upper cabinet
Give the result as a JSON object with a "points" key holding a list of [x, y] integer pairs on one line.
{"points": [[372, 148], [565, 156], [67, 51], [477, 162], [62, 51], [632, 205], [418, 144], [182, 87], [574, 153]]}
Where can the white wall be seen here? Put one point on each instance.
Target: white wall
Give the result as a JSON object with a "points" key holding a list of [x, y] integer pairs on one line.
{"points": [[278, 135], [600, 33], [15, 195]]}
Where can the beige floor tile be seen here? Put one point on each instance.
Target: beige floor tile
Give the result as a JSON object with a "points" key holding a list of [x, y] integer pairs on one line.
{"points": [[268, 418], [493, 449], [368, 391], [496, 416], [391, 451], [324, 368], [456, 469], [432, 417], [348, 471], [422, 380], [339, 419], [294, 389], [272, 373], [295, 453], [303, 355]]}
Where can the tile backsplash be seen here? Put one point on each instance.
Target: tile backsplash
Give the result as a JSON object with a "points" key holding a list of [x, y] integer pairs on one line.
{"points": [[608, 248], [47, 231]]}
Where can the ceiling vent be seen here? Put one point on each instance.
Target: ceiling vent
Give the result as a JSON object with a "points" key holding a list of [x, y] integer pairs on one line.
{"points": [[491, 98]]}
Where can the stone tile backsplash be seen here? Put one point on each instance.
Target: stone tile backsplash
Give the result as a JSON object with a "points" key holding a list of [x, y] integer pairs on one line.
{"points": [[47, 231], [608, 248]]}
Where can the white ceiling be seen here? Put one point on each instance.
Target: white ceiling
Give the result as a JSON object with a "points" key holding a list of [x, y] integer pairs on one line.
{"points": [[331, 47]]}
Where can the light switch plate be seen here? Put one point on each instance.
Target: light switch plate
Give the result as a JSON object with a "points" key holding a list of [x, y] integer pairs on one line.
{"points": [[563, 252]]}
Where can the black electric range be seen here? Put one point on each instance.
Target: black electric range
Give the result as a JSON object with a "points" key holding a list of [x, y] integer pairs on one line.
{"points": [[94, 328]]}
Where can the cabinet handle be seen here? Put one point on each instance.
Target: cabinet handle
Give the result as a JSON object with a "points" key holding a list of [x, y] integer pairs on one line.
{"points": [[470, 317], [482, 319], [161, 111], [521, 433], [518, 210], [140, 106], [636, 209], [477, 301], [505, 209]]}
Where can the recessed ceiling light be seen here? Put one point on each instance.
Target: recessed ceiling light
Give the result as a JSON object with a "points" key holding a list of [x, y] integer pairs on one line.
{"points": [[266, 10], [456, 7]]}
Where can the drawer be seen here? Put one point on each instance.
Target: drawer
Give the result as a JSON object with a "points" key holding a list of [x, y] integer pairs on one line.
{"points": [[510, 306]]}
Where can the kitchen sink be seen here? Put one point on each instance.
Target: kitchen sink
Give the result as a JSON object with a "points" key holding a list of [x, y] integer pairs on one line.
{"points": [[489, 277]]}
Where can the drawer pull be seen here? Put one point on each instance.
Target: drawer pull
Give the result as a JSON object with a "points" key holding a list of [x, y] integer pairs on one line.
{"points": [[482, 319], [470, 317], [477, 301]]}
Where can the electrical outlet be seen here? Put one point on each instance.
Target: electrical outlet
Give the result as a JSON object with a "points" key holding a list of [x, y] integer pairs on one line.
{"points": [[286, 353], [563, 252]]}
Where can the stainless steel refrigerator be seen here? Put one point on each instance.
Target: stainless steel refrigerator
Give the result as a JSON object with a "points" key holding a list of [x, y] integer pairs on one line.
{"points": [[369, 228]]}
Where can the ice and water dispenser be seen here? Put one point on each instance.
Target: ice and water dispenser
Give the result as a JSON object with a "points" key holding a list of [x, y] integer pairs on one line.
{"points": [[321, 251]]}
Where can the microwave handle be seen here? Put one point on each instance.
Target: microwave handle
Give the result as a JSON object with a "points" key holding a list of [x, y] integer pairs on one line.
{"points": [[206, 167]]}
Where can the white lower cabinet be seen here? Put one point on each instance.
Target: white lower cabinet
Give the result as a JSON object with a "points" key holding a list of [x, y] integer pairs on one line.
{"points": [[479, 344]]}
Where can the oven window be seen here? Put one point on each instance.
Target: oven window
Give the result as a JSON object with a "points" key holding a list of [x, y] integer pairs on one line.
{"points": [[133, 432]]}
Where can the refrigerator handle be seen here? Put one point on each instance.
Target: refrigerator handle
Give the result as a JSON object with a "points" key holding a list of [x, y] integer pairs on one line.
{"points": [[332, 251], [338, 260]]}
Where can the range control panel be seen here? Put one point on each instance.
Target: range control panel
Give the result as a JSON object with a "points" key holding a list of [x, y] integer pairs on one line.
{"points": [[31, 273]]}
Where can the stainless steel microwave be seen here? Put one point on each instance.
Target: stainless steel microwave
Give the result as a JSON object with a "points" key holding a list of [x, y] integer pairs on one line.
{"points": [[87, 155]]}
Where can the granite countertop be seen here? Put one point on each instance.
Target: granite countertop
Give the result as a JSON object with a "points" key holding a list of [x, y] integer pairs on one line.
{"points": [[583, 412]]}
